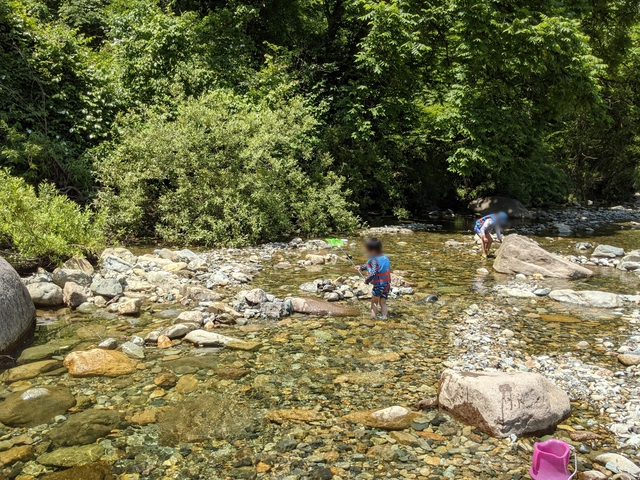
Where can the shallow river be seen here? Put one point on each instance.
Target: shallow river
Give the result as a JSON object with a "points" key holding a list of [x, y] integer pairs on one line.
{"points": [[214, 424]]}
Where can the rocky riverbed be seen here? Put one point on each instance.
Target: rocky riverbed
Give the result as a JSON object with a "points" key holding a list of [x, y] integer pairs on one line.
{"points": [[241, 363]]}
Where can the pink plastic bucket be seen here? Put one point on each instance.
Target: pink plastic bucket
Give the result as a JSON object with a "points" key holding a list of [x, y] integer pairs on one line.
{"points": [[551, 461]]}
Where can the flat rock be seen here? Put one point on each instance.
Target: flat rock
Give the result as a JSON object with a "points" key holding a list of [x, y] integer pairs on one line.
{"points": [[501, 404], [17, 312], [607, 251], [90, 471], [624, 464], [35, 406], [42, 352], [519, 254], [16, 454], [206, 338], [587, 298], [45, 294], [294, 415], [391, 418], [313, 306], [99, 362], [85, 427], [29, 370], [72, 456]]}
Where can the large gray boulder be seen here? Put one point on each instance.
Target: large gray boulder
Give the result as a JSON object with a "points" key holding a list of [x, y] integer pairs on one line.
{"points": [[519, 254], [587, 298], [17, 312], [500, 404], [486, 205]]}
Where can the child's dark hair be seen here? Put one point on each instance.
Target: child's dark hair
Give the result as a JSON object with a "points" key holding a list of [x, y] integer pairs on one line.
{"points": [[373, 245]]}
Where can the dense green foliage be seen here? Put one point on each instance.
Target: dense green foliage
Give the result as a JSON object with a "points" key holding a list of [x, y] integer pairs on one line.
{"points": [[223, 171], [45, 226], [411, 103]]}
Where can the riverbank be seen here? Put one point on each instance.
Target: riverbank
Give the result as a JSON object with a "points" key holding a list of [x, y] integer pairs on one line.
{"points": [[273, 393]]}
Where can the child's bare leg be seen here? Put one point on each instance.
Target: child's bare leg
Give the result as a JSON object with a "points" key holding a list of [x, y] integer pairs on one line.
{"points": [[374, 306], [489, 243], [383, 307]]}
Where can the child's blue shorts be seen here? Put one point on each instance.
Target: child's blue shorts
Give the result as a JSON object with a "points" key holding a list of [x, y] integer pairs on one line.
{"points": [[381, 290]]}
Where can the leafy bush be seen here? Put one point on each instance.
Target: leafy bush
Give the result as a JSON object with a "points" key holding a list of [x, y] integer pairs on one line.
{"points": [[45, 226], [224, 171]]}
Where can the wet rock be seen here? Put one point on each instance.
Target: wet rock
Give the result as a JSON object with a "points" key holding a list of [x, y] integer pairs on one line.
{"points": [[130, 307], [85, 427], [187, 384], [205, 416], [164, 342], [28, 371], [108, 344], [231, 373], [166, 380], [314, 306], [607, 251], [391, 418], [623, 464], [486, 205], [106, 287], [35, 406], [294, 415], [587, 298], [45, 294], [91, 471], [98, 362], [132, 350], [502, 404], [315, 259], [583, 436], [63, 275], [208, 339], [519, 254], [16, 454], [42, 352], [72, 456], [17, 312], [591, 475], [74, 295]]}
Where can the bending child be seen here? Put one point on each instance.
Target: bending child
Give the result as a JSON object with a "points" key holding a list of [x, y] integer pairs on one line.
{"points": [[379, 275], [483, 228]]}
